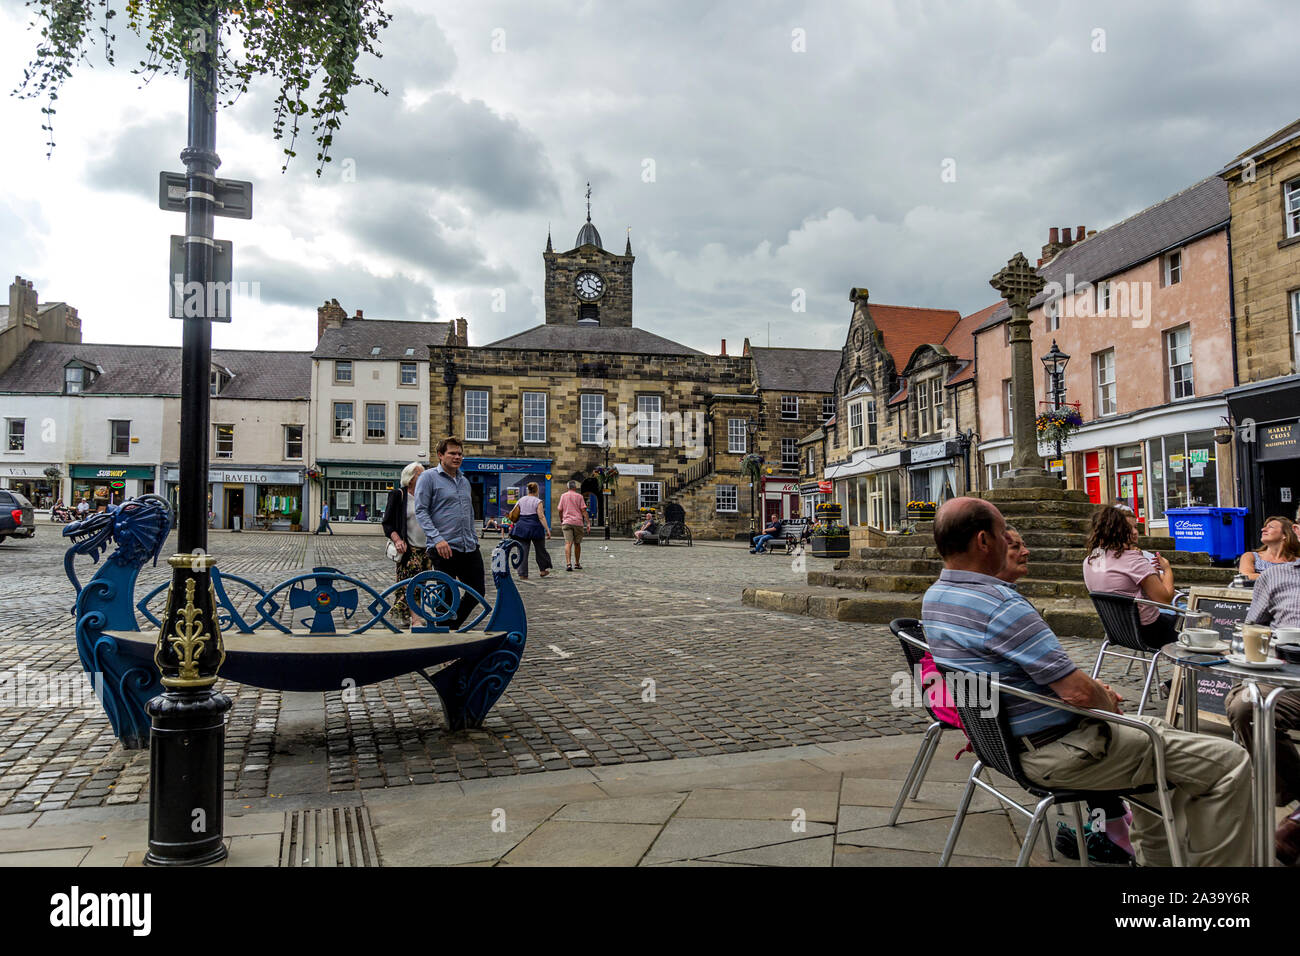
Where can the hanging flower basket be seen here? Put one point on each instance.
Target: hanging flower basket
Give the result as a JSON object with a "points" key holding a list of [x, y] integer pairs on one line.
{"points": [[608, 477], [1058, 425], [314, 475], [751, 466]]}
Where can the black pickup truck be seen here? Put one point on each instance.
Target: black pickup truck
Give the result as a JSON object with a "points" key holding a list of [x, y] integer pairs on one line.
{"points": [[17, 517]]}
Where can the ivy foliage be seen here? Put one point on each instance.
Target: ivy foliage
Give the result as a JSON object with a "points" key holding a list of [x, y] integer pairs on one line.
{"points": [[309, 47]]}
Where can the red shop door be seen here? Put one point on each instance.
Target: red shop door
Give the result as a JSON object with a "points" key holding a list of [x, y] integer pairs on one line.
{"points": [[1092, 477], [1131, 488]]}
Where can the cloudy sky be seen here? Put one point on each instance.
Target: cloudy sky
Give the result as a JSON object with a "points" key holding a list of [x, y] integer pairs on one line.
{"points": [[754, 148]]}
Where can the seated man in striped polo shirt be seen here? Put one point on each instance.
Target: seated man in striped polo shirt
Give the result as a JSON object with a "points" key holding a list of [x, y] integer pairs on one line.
{"points": [[977, 623]]}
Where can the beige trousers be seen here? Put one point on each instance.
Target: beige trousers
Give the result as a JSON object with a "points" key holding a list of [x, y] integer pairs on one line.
{"points": [[1210, 778]]}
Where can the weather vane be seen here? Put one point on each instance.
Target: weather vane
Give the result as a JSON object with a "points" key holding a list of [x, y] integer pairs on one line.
{"points": [[588, 201]]}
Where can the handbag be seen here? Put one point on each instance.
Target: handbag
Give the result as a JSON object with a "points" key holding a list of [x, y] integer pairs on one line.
{"points": [[514, 514], [391, 551]]}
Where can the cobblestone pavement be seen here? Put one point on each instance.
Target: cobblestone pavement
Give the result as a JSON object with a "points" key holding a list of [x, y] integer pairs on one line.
{"points": [[647, 654]]}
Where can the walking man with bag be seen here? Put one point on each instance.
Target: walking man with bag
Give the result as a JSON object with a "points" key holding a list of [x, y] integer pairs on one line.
{"points": [[444, 508]]}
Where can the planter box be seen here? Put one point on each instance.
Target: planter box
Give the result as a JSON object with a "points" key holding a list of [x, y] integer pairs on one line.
{"points": [[826, 546], [920, 514]]}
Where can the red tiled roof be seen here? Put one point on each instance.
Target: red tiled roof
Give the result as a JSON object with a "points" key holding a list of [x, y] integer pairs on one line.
{"points": [[961, 341], [906, 328]]}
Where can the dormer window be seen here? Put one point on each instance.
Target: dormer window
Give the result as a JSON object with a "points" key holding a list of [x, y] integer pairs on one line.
{"points": [[376, 350], [218, 379], [77, 377]]}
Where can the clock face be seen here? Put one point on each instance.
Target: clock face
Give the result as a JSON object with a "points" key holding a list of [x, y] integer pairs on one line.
{"points": [[589, 286]]}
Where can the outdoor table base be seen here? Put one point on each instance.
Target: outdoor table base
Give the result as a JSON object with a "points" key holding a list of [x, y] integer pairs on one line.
{"points": [[1263, 705]]}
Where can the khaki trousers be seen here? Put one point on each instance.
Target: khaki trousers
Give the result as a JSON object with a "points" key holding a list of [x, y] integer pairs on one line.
{"points": [[1286, 716], [1211, 780]]}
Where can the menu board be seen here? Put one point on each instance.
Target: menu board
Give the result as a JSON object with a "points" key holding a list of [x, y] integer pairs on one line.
{"points": [[1227, 608]]}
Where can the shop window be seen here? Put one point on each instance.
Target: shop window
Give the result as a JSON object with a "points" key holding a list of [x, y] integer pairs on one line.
{"points": [[1104, 396], [225, 443], [343, 421], [535, 417], [119, 438], [649, 410], [16, 434], [1292, 192], [376, 422], [348, 496], [737, 440], [1178, 348], [1295, 329], [476, 415], [726, 499], [648, 493], [293, 442], [343, 372], [592, 411], [409, 373], [408, 422], [789, 408], [1189, 472]]}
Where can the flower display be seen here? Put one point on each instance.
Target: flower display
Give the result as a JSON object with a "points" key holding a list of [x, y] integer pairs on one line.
{"points": [[608, 477], [752, 465], [1058, 424]]}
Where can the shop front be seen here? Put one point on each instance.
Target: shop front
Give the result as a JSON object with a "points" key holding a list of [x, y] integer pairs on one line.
{"points": [[1268, 449], [935, 472], [270, 499], [110, 484], [780, 498], [871, 490], [32, 483], [497, 483], [812, 494], [358, 494]]}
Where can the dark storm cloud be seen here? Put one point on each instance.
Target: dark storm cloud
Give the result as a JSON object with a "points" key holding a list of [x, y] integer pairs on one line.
{"points": [[131, 160], [280, 282]]}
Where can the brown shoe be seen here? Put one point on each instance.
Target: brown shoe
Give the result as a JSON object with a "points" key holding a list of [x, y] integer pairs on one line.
{"points": [[1286, 842]]}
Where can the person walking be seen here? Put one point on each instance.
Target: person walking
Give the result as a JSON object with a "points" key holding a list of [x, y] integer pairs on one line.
{"points": [[324, 520], [406, 535], [575, 519], [532, 526], [444, 508]]}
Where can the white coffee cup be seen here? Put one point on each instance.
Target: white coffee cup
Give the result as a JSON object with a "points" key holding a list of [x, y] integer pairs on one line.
{"points": [[1286, 635], [1198, 637]]}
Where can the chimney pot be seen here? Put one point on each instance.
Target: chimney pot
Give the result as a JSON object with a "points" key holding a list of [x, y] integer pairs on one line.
{"points": [[359, 315], [1054, 235], [1079, 234], [724, 347]]}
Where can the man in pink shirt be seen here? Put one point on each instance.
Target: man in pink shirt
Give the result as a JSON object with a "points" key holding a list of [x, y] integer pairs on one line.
{"points": [[576, 521]]}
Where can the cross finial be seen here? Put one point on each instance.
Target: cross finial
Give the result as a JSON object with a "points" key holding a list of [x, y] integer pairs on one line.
{"points": [[588, 202], [1018, 283]]}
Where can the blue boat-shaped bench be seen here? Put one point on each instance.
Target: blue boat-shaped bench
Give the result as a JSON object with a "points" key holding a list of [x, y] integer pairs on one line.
{"points": [[312, 654]]}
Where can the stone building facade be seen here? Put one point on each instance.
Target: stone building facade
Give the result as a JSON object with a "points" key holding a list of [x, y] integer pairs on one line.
{"points": [[905, 407], [1264, 197]]}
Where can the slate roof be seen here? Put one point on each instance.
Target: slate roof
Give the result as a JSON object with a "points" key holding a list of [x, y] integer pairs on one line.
{"points": [[595, 338], [1269, 143], [156, 370], [796, 370], [356, 338], [1197, 210]]}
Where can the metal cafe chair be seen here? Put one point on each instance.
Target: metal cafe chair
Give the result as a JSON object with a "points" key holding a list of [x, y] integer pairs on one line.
{"points": [[998, 749], [1119, 619], [911, 637]]}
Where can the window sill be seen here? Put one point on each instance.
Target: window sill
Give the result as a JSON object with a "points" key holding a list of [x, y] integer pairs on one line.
{"points": [[375, 441], [408, 384], [1289, 241], [408, 441]]}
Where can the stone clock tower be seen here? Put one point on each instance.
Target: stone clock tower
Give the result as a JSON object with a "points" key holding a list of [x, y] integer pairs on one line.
{"points": [[588, 286]]}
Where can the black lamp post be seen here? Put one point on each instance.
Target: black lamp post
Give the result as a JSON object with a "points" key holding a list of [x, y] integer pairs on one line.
{"points": [[604, 490], [751, 430], [1054, 362]]}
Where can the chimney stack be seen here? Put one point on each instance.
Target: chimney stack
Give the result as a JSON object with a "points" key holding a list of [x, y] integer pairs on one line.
{"points": [[1079, 234], [359, 315], [724, 347], [462, 332], [329, 316], [1054, 236]]}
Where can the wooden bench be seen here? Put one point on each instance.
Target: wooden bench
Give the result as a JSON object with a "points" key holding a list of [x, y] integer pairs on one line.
{"points": [[309, 653]]}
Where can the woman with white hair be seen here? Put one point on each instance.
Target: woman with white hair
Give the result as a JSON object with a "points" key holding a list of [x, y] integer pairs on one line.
{"points": [[404, 531]]}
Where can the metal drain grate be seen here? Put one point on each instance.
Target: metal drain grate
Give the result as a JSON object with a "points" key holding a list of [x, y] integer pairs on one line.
{"points": [[330, 836]]}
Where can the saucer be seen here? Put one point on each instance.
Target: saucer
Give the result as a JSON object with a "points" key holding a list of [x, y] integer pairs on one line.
{"points": [[1219, 647], [1239, 660]]}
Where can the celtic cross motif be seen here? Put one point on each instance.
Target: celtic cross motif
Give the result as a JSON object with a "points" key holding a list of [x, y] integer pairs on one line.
{"points": [[1018, 282]]}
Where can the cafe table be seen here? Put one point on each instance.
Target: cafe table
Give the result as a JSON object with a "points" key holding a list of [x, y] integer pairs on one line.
{"points": [[1264, 704]]}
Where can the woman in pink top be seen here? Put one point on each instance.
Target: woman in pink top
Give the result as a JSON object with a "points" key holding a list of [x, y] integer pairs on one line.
{"points": [[1116, 564]]}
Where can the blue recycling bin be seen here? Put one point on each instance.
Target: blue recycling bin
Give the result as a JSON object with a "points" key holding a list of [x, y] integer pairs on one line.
{"points": [[1220, 532]]}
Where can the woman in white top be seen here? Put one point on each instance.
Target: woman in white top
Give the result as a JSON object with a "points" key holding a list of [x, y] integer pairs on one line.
{"points": [[1279, 546], [408, 537], [532, 526]]}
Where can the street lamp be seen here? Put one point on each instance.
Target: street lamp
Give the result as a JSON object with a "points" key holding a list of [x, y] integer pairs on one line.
{"points": [[751, 429], [1054, 362], [604, 490]]}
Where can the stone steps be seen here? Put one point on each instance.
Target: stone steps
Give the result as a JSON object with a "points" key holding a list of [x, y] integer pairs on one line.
{"points": [[1049, 553], [1184, 574], [919, 583], [1067, 618]]}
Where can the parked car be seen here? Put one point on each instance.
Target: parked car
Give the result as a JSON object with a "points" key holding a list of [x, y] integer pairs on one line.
{"points": [[17, 517]]}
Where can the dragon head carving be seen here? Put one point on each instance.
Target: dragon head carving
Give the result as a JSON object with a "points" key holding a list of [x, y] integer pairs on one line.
{"points": [[139, 526]]}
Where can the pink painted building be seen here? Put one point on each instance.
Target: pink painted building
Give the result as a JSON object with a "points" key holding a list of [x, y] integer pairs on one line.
{"points": [[1144, 312]]}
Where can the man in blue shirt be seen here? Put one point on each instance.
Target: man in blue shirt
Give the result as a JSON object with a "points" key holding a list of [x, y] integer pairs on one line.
{"points": [[975, 622], [445, 509]]}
